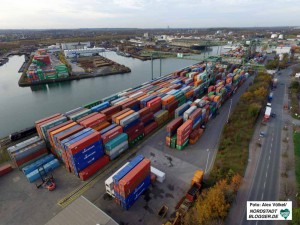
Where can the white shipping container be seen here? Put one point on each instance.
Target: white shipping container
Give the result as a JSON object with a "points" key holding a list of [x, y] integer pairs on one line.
{"points": [[109, 183], [160, 176]]}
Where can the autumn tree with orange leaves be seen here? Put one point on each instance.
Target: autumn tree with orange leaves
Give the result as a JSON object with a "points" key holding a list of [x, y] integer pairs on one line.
{"points": [[214, 203]]}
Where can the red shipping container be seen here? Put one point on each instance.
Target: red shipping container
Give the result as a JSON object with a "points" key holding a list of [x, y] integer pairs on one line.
{"points": [[195, 114], [115, 115], [154, 101], [39, 123], [155, 108], [174, 124], [86, 117], [111, 110], [144, 111], [150, 127], [124, 102], [47, 118], [92, 169], [94, 120], [132, 179], [171, 115], [83, 143], [112, 134], [131, 104], [5, 169], [147, 117], [135, 131], [31, 157], [172, 106], [186, 126]]}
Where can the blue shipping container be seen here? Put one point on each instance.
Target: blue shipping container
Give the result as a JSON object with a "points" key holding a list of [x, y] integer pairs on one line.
{"points": [[33, 166], [132, 197], [136, 160], [110, 127]]}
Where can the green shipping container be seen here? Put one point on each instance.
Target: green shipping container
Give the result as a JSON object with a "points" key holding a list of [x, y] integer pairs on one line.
{"points": [[80, 115], [181, 147], [116, 141]]}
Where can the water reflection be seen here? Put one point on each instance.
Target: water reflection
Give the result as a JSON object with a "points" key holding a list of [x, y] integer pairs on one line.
{"points": [[39, 88]]}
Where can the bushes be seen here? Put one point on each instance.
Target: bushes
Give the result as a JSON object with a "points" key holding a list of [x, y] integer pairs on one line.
{"points": [[295, 89], [238, 133]]}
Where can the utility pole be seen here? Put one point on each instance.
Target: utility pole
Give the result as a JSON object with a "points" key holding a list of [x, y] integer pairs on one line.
{"points": [[229, 110], [152, 66], [160, 66]]}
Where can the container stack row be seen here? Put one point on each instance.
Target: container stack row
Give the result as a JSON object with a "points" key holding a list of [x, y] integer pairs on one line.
{"points": [[86, 138], [191, 117], [30, 155], [27, 152]]}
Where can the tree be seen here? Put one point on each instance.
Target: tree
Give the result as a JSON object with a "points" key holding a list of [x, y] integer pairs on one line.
{"points": [[288, 190], [296, 217], [213, 204]]}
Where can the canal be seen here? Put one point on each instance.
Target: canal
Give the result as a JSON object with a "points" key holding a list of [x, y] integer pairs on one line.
{"points": [[20, 107]]}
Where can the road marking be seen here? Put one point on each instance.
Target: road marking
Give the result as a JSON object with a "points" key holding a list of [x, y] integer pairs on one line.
{"points": [[262, 196], [207, 161], [264, 184], [266, 174], [256, 223], [268, 165], [269, 157]]}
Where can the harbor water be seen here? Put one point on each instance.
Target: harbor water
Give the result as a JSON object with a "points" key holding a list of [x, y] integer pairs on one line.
{"points": [[21, 107]]}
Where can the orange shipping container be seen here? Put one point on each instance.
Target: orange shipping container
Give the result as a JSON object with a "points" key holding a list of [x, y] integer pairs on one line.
{"points": [[166, 90], [119, 118], [101, 126], [59, 130], [216, 99], [142, 97], [168, 100]]}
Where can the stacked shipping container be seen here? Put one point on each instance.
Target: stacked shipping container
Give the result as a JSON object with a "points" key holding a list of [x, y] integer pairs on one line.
{"points": [[86, 138]]}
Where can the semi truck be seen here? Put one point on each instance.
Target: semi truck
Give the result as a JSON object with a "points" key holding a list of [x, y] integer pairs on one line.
{"points": [[267, 113]]}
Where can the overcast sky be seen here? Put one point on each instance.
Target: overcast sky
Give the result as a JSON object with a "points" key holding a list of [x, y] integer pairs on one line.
{"points": [[27, 14]]}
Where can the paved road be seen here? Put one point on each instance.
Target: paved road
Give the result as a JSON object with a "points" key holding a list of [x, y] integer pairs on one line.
{"points": [[265, 186]]}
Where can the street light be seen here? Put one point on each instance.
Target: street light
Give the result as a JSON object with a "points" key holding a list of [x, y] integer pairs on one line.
{"points": [[229, 110]]}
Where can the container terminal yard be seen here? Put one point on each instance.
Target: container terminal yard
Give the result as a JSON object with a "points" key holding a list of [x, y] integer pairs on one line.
{"points": [[85, 146], [54, 65]]}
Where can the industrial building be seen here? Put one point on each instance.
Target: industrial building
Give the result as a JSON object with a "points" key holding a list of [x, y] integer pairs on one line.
{"points": [[83, 52], [75, 45], [283, 50], [82, 211]]}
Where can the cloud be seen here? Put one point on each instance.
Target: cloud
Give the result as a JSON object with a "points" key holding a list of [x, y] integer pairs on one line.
{"points": [[147, 13]]}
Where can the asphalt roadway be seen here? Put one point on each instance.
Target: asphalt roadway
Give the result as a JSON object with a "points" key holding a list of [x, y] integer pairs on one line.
{"points": [[265, 184]]}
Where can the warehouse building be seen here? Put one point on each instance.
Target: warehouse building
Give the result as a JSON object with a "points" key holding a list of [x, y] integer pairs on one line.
{"points": [[80, 212], [83, 52], [75, 45]]}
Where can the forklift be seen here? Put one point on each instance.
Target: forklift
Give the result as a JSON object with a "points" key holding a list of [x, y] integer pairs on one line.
{"points": [[47, 179]]}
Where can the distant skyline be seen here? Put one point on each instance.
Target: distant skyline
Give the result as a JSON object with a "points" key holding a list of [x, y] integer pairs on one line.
{"points": [[60, 14]]}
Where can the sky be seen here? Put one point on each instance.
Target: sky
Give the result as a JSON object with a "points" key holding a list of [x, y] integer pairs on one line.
{"points": [[57, 14]]}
